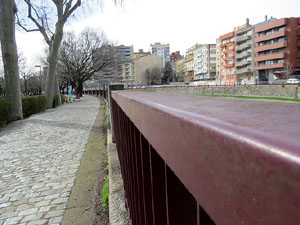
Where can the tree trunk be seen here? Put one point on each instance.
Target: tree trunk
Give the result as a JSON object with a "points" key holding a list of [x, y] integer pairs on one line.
{"points": [[56, 88], [10, 56], [80, 88], [50, 83]]}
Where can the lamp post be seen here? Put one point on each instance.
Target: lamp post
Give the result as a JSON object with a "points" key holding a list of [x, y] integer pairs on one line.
{"points": [[40, 90]]}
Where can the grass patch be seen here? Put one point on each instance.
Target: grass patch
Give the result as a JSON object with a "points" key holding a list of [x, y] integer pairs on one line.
{"points": [[106, 116], [105, 195], [254, 97]]}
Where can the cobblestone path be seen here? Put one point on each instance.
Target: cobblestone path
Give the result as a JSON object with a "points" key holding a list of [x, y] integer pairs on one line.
{"points": [[39, 158]]}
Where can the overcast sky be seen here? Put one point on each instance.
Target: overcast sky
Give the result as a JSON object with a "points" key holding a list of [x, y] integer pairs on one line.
{"points": [[179, 23]]}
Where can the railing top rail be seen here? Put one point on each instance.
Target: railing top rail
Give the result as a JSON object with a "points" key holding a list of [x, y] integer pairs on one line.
{"points": [[239, 158]]}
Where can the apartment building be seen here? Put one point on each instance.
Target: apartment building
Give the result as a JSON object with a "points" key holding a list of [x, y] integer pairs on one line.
{"points": [[218, 55], [227, 59], [205, 62], [149, 62], [179, 70], [161, 49], [125, 69], [188, 64], [139, 54], [244, 54], [277, 49]]}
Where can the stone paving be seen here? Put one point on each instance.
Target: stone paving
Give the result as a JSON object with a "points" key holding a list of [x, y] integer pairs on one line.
{"points": [[39, 159]]}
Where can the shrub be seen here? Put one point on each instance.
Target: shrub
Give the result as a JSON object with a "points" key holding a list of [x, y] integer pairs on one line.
{"points": [[55, 101], [62, 99], [33, 104], [105, 195], [5, 111]]}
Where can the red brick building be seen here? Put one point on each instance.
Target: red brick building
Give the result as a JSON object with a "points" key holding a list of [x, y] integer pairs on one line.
{"points": [[227, 60], [277, 49]]}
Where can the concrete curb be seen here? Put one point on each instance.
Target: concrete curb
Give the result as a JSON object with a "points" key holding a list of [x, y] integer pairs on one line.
{"points": [[118, 213]]}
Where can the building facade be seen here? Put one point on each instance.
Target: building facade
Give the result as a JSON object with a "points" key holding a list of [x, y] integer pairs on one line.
{"points": [[161, 49], [141, 64], [227, 59], [218, 55], [179, 71], [205, 62], [277, 49], [244, 55], [125, 68]]}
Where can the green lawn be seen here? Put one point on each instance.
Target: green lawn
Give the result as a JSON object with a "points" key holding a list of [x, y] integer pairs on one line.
{"points": [[254, 97]]}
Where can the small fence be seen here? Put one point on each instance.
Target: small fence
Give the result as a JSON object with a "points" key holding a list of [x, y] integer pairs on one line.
{"points": [[189, 160]]}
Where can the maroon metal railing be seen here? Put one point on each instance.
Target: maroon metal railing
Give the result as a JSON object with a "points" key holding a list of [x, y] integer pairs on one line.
{"points": [[186, 159]]}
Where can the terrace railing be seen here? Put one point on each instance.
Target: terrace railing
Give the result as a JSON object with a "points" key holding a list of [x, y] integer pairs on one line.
{"points": [[191, 160]]}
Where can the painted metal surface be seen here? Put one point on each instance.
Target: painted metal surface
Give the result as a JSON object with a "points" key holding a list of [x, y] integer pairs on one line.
{"points": [[239, 159]]}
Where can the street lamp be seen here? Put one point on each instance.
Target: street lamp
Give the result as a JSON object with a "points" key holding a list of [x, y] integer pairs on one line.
{"points": [[40, 78]]}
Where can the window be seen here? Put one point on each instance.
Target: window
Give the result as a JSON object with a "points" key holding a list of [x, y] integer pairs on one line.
{"points": [[281, 39], [230, 47], [230, 62], [298, 60], [281, 28], [280, 61], [230, 54], [260, 43]]}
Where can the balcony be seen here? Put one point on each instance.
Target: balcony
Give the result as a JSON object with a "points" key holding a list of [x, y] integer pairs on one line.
{"points": [[271, 66], [274, 35], [242, 63], [271, 46], [244, 70], [243, 55], [270, 57], [243, 38], [243, 46]]}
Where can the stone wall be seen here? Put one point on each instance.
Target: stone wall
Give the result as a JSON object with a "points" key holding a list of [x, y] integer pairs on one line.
{"points": [[285, 91]]}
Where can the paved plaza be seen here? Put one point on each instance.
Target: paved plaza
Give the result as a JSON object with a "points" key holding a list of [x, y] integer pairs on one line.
{"points": [[39, 159]]}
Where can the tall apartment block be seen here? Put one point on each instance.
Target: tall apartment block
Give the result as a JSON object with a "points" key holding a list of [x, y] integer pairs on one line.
{"points": [[218, 55], [227, 60], [125, 54], [277, 49], [205, 62], [161, 49], [244, 54], [188, 63]]}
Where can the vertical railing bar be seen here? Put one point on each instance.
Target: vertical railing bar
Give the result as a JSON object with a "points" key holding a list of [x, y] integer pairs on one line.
{"points": [[139, 175], [132, 168], [152, 197], [166, 190], [136, 178]]}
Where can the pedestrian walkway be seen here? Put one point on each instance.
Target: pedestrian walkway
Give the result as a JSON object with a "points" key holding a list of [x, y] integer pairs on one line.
{"points": [[39, 158]]}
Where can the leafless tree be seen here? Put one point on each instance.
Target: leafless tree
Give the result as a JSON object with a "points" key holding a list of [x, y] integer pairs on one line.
{"points": [[288, 71], [41, 16], [80, 57], [8, 10], [153, 76]]}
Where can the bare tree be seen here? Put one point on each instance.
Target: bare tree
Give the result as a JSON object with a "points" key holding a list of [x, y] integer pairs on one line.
{"points": [[8, 10], [81, 56], [41, 14], [153, 76], [288, 71]]}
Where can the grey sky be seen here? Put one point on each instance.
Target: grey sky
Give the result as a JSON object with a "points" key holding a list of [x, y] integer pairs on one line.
{"points": [[180, 23]]}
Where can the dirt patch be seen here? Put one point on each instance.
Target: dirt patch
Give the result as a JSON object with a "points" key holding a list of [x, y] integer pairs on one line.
{"points": [[84, 205]]}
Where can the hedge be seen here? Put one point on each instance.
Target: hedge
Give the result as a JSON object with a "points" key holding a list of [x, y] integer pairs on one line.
{"points": [[5, 111], [56, 100], [33, 104]]}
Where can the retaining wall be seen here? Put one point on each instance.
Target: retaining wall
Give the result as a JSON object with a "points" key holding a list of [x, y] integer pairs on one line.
{"points": [[285, 91]]}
